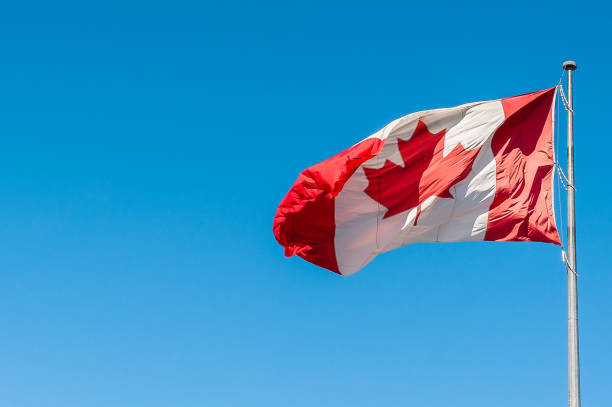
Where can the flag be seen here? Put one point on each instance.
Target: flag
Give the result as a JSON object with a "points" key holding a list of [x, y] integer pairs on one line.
{"points": [[479, 171]]}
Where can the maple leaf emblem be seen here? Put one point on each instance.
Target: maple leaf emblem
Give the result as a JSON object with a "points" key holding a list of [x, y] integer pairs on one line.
{"points": [[426, 172]]}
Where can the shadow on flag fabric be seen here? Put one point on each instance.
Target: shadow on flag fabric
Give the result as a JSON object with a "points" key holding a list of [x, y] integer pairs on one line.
{"points": [[479, 171]]}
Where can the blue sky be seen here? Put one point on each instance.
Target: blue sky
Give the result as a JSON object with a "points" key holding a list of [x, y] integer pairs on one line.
{"points": [[146, 145]]}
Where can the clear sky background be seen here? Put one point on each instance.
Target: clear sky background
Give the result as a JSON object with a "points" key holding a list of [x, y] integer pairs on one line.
{"points": [[146, 146]]}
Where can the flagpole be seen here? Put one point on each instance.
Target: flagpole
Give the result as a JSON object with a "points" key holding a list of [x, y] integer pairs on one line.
{"points": [[573, 364]]}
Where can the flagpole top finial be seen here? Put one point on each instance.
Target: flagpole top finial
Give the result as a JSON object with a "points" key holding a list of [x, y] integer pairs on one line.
{"points": [[570, 65]]}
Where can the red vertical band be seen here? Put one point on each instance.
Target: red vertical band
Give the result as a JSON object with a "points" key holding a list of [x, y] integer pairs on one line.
{"points": [[304, 222], [522, 209]]}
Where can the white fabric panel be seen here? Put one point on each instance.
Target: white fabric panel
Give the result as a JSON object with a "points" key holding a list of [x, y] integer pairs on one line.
{"points": [[361, 230]]}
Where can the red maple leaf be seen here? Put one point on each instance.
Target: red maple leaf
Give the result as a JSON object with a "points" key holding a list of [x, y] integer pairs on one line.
{"points": [[426, 172]]}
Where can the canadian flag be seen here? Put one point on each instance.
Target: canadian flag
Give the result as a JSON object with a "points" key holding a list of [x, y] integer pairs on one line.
{"points": [[479, 171]]}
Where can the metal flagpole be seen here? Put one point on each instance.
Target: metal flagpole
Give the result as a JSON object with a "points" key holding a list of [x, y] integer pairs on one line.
{"points": [[573, 363]]}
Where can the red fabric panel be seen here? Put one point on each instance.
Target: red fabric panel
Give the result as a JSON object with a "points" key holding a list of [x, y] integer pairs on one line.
{"points": [[304, 222], [522, 209]]}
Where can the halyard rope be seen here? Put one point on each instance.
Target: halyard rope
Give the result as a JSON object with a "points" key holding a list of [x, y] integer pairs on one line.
{"points": [[563, 180], [564, 99]]}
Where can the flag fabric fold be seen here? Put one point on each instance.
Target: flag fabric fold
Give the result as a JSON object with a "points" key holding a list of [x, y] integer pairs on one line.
{"points": [[479, 171]]}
